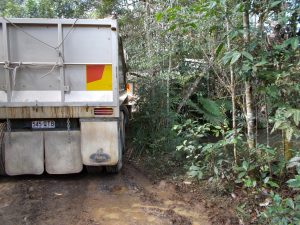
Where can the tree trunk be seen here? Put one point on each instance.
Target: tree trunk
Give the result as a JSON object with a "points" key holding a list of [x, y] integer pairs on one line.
{"points": [[268, 132], [232, 90], [147, 27], [168, 82], [250, 116], [267, 121], [286, 146]]}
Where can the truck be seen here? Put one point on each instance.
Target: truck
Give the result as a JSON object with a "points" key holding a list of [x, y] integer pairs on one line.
{"points": [[63, 99]]}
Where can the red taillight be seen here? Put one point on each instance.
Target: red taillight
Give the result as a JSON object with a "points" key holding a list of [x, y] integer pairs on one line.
{"points": [[103, 111]]}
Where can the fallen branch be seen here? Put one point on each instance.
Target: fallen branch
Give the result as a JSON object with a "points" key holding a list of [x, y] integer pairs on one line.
{"points": [[137, 74], [190, 91]]}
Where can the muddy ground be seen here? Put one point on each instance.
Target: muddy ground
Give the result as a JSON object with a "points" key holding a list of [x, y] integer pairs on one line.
{"points": [[127, 198]]}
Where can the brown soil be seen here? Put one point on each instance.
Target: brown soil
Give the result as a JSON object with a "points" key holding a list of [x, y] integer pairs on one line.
{"points": [[218, 205], [127, 198]]}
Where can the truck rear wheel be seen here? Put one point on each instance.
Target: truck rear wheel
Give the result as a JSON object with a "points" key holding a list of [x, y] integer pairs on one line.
{"points": [[118, 167], [94, 169]]}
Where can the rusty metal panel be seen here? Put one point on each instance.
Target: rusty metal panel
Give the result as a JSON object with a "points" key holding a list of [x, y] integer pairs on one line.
{"points": [[24, 153], [51, 112], [99, 142], [44, 68], [62, 152]]}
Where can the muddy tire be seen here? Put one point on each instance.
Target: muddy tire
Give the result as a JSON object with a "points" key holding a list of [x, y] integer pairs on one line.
{"points": [[118, 167], [114, 169], [94, 169], [125, 111]]}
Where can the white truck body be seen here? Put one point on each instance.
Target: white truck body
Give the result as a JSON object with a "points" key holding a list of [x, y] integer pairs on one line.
{"points": [[62, 82]]}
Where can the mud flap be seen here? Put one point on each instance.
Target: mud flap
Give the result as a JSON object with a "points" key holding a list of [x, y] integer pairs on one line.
{"points": [[62, 152], [24, 153], [99, 143]]}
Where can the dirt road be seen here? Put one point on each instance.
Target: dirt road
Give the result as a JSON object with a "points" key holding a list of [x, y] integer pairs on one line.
{"points": [[124, 199]]}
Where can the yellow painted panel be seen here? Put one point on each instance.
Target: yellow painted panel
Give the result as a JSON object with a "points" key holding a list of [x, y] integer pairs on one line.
{"points": [[104, 84]]}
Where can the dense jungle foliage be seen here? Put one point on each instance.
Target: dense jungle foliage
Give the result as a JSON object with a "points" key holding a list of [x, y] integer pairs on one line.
{"points": [[217, 89]]}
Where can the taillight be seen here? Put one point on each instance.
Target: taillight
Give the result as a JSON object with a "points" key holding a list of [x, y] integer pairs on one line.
{"points": [[103, 111]]}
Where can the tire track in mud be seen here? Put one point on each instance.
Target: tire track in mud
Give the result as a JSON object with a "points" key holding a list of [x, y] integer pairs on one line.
{"points": [[103, 199]]}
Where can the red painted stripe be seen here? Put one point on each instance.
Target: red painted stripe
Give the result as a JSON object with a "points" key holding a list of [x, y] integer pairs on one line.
{"points": [[94, 72]]}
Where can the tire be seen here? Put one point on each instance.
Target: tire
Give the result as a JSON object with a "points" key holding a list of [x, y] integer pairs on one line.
{"points": [[124, 109], [94, 169], [123, 130], [116, 168]]}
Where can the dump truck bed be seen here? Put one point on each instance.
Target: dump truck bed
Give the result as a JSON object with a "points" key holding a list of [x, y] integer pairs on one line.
{"points": [[62, 96], [58, 62]]}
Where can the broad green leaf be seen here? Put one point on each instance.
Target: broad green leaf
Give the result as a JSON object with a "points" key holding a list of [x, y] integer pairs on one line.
{"points": [[289, 113], [175, 127], [273, 4], [172, 27], [193, 25], [294, 42], [200, 175], [235, 57], [247, 55], [294, 183], [246, 67], [193, 167], [277, 125], [178, 148], [227, 57], [223, 2], [296, 117], [261, 63], [245, 165], [159, 16], [266, 180], [210, 106], [290, 203], [219, 49], [277, 198], [242, 174], [273, 184], [212, 5], [216, 171], [193, 173], [238, 8]]}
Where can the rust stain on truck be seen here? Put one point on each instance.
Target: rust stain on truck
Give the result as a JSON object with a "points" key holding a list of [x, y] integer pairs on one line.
{"points": [[50, 112]]}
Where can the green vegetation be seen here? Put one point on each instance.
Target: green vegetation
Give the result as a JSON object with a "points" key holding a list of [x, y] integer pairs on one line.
{"points": [[218, 86]]}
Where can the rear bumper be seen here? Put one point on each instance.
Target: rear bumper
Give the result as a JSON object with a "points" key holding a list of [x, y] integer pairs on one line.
{"points": [[54, 112], [62, 152]]}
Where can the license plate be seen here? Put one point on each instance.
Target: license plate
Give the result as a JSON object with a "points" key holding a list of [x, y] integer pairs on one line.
{"points": [[43, 124]]}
